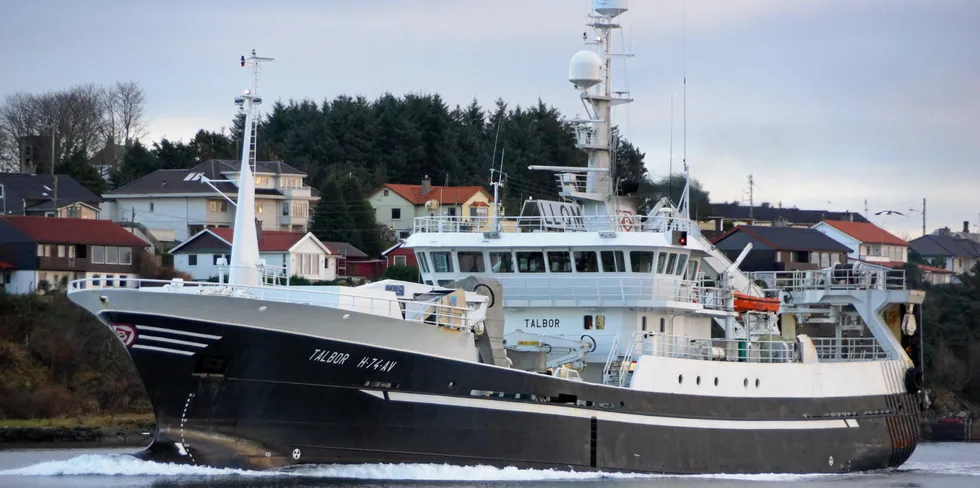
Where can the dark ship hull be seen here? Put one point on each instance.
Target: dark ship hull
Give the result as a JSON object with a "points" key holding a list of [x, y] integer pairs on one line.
{"points": [[232, 396]]}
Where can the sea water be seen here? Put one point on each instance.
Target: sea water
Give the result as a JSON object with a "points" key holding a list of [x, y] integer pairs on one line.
{"points": [[949, 465]]}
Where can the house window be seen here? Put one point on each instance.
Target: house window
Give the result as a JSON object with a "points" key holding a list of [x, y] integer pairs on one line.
{"points": [[800, 257], [477, 212], [501, 262], [441, 262], [560, 261], [40, 250], [451, 211], [125, 255], [111, 255], [122, 281], [98, 254], [192, 260], [285, 209], [259, 207], [384, 193], [108, 280], [613, 261], [216, 257], [217, 205], [400, 261], [471, 262], [95, 280], [586, 262], [261, 180], [641, 261], [300, 209], [396, 213], [71, 252]]}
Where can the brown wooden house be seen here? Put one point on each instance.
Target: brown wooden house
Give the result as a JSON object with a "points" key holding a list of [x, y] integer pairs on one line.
{"points": [[46, 253]]}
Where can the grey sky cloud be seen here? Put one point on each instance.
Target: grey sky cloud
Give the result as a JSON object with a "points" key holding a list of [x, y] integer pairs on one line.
{"points": [[822, 101]]}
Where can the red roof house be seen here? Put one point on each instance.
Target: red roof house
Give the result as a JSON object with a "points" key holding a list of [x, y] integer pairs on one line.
{"points": [[867, 241], [42, 253]]}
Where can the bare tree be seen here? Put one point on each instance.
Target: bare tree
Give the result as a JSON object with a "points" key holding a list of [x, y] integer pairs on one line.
{"points": [[132, 111]]}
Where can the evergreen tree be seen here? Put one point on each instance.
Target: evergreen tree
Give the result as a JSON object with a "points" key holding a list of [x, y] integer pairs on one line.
{"points": [[175, 155], [331, 219], [137, 163], [77, 167], [208, 145], [365, 233]]}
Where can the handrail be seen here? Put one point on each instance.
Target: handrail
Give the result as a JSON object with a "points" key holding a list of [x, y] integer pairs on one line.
{"points": [[833, 349], [435, 313], [773, 350], [864, 278], [576, 223], [613, 353]]}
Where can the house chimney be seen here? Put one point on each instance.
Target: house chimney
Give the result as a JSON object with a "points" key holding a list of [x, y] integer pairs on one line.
{"points": [[426, 185], [966, 226]]}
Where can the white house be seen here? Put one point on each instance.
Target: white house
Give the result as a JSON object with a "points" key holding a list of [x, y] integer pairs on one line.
{"points": [[297, 253], [397, 205], [175, 204], [867, 241]]}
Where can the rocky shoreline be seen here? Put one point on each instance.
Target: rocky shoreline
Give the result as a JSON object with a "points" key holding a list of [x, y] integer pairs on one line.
{"points": [[21, 437]]}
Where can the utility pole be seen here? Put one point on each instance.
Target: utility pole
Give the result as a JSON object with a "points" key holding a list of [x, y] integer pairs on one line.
{"points": [[923, 216], [751, 202]]}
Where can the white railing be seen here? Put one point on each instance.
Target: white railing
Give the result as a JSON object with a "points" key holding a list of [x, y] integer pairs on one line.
{"points": [[607, 377], [830, 349], [865, 278], [742, 350], [575, 291], [442, 313], [560, 223]]}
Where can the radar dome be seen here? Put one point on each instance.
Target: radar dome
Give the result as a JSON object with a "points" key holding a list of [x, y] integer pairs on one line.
{"points": [[585, 69], [610, 8]]}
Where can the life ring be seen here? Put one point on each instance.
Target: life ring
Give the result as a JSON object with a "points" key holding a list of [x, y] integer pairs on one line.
{"points": [[626, 223]]}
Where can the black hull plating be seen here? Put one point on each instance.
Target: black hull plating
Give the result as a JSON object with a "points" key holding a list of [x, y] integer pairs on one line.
{"points": [[262, 399]]}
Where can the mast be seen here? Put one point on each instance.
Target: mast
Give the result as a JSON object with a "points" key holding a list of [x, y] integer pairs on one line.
{"points": [[245, 243]]}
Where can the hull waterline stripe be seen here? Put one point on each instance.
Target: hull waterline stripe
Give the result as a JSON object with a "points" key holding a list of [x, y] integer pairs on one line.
{"points": [[171, 341], [163, 349], [180, 332], [586, 414]]}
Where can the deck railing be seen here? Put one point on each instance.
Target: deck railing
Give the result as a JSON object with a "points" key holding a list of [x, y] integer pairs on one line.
{"points": [[868, 278], [831, 349], [444, 312], [558, 223]]}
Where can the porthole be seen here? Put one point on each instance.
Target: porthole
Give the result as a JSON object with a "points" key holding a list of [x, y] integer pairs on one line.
{"points": [[699, 380], [745, 382], [680, 379], [716, 381], [452, 384], [757, 382]]}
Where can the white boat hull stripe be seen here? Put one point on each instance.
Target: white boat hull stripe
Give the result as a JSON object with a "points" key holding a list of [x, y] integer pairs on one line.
{"points": [[163, 349], [171, 341], [179, 332], [546, 409]]}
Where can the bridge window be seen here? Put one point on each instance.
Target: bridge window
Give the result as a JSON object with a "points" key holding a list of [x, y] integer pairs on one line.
{"points": [[692, 269], [501, 262], [644, 322], [560, 261], [422, 262], [613, 262], [441, 262], [530, 262], [471, 262], [681, 263], [641, 261], [671, 262], [661, 262], [588, 322], [586, 262], [663, 325]]}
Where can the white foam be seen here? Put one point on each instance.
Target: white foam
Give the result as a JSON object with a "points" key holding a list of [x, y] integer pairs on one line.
{"points": [[948, 468], [126, 465]]}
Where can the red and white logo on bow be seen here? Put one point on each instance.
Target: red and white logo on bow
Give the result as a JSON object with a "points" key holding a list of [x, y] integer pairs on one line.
{"points": [[126, 333]]}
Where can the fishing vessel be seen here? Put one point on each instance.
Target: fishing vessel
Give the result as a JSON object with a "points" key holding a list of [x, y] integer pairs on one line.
{"points": [[633, 346]]}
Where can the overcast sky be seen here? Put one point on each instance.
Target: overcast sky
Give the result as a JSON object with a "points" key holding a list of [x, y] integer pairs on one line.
{"points": [[825, 102]]}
